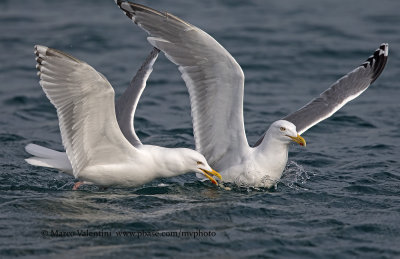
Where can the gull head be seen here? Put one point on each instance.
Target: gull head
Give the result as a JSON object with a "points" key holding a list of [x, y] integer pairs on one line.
{"points": [[196, 162], [286, 132]]}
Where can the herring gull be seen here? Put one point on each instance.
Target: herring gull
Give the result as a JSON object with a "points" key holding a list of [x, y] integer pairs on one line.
{"points": [[97, 152], [215, 82]]}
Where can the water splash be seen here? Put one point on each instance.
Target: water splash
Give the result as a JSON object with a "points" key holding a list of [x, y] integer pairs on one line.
{"points": [[294, 176]]}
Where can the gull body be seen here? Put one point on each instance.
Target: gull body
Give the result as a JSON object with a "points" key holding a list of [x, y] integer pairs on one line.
{"points": [[215, 82], [97, 151], [262, 166], [151, 162]]}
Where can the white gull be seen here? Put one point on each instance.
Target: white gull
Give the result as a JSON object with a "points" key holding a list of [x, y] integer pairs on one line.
{"points": [[216, 81], [97, 152]]}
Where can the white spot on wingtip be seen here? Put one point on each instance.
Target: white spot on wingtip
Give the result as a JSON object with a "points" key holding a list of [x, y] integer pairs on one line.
{"points": [[41, 49]]}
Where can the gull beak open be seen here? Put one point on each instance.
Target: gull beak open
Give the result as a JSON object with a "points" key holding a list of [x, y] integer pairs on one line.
{"points": [[212, 172], [299, 140]]}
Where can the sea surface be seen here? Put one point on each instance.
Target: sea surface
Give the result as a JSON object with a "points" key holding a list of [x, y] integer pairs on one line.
{"points": [[339, 196]]}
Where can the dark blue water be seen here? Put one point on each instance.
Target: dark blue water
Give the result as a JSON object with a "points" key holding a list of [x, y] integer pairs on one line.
{"points": [[338, 198]]}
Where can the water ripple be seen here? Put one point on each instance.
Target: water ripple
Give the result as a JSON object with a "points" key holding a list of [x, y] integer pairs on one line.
{"points": [[338, 197]]}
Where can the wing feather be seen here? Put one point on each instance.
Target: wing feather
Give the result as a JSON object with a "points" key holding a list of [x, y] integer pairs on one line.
{"points": [[339, 93], [126, 104], [84, 100], [214, 79]]}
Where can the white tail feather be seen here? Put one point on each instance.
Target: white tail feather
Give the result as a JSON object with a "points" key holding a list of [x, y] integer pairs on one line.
{"points": [[48, 158], [40, 151]]}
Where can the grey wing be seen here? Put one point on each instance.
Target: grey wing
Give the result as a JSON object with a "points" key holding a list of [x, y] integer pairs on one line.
{"points": [[126, 104], [341, 92], [214, 79]]}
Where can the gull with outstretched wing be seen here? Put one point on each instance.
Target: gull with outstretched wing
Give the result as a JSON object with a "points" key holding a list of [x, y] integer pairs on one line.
{"points": [[215, 82], [100, 149]]}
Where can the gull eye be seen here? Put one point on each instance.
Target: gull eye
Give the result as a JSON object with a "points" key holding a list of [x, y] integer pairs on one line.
{"points": [[199, 163], [282, 128]]}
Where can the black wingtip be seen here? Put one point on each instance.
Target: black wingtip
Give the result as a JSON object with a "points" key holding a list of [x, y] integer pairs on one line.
{"points": [[377, 60], [124, 9], [130, 8], [381, 56], [38, 58]]}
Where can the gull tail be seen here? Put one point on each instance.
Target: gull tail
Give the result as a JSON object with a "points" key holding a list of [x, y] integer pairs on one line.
{"points": [[46, 157]]}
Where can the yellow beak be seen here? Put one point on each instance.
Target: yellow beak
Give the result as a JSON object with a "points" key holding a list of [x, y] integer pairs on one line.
{"points": [[299, 140], [212, 172]]}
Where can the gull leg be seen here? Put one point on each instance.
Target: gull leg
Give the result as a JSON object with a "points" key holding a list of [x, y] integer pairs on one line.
{"points": [[76, 185]]}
